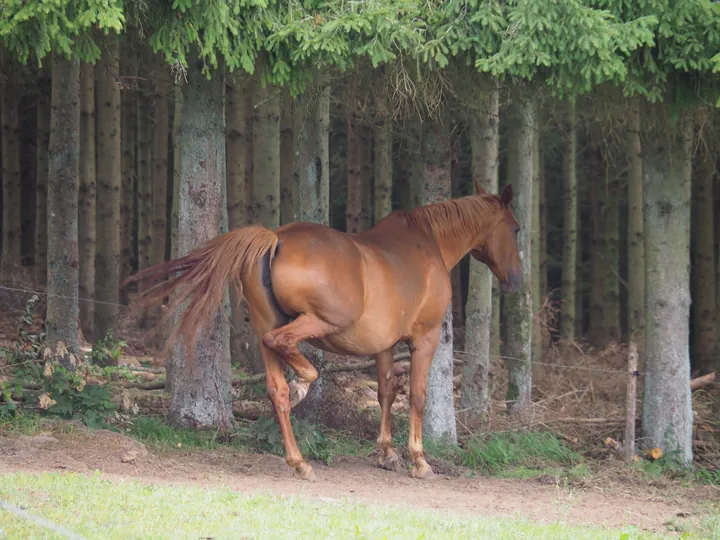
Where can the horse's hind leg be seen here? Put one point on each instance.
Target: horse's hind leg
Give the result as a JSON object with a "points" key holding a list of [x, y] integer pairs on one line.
{"points": [[387, 457], [264, 317], [284, 341]]}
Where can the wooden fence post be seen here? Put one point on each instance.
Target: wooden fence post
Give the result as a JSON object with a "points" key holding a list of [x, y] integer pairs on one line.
{"points": [[629, 447]]}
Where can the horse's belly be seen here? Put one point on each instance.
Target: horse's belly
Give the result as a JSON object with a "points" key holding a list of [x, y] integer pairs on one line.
{"points": [[357, 341]]}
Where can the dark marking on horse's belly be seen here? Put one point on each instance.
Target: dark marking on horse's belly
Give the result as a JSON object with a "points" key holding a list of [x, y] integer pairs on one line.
{"points": [[267, 280]]}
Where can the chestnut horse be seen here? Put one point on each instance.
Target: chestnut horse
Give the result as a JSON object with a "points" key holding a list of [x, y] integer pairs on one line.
{"points": [[351, 294]]}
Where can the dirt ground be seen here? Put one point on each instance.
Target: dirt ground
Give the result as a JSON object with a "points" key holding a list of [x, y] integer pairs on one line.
{"points": [[116, 456]]}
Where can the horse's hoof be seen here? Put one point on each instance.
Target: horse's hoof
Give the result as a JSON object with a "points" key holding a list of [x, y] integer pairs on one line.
{"points": [[305, 472], [298, 391], [390, 462], [422, 472]]}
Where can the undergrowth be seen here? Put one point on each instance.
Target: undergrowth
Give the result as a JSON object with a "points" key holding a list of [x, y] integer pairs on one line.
{"points": [[54, 381]]}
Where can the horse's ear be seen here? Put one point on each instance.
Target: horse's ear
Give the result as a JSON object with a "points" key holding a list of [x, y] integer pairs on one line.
{"points": [[478, 188], [507, 195]]}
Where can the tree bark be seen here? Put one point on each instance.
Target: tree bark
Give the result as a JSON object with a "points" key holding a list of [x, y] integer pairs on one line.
{"points": [[542, 211], [383, 162], [200, 392], [88, 194], [570, 234], [242, 335], [354, 176], [484, 142], [703, 256], [517, 329], [598, 198], [439, 417], [535, 240], [12, 188], [635, 242], [41, 183], [266, 177], [145, 135], [107, 261], [667, 409], [311, 194], [128, 134], [63, 316], [367, 174], [286, 159], [611, 255], [160, 162]]}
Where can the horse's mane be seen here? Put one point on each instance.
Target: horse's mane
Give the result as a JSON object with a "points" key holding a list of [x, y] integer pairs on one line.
{"points": [[454, 217]]}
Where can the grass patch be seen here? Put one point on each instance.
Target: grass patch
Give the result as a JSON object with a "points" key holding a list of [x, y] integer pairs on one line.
{"points": [[511, 454], [98, 508]]}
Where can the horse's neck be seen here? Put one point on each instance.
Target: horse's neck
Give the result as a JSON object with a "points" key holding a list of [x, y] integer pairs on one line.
{"points": [[456, 236]]}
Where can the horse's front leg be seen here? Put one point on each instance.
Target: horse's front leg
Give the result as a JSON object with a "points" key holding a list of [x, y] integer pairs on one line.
{"points": [[421, 355], [387, 457]]}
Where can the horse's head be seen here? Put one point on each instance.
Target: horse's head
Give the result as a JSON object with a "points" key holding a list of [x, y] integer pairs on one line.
{"points": [[499, 250]]}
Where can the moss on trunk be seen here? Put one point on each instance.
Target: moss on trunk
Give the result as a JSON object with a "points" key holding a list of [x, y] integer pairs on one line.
{"points": [[439, 418], [200, 397], [517, 328], [667, 409], [484, 143]]}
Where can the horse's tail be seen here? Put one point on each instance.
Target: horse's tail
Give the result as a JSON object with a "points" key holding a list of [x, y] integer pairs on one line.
{"points": [[200, 277]]}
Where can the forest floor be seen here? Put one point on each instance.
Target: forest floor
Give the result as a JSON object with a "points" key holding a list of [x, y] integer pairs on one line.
{"points": [[560, 463]]}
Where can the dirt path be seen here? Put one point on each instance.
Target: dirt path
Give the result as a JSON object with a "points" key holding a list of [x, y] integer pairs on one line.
{"points": [[353, 478]]}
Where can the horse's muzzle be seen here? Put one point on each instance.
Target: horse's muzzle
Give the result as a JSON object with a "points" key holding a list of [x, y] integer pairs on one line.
{"points": [[512, 283]]}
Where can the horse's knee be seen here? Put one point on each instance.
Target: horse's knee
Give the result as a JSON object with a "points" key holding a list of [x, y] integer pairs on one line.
{"points": [[417, 400], [269, 340]]}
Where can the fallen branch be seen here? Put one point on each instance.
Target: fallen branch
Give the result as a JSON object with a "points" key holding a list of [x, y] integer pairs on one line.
{"points": [[252, 379], [701, 382]]}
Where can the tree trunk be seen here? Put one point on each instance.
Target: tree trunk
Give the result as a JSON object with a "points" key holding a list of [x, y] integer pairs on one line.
{"points": [[107, 261], [266, 176], [311, 193], [87, 202], [635, 242], [703, 253], [542, 211], [145, 135], [570, 234], [439, 418], [63, 316], [383, 163], [160, 162], [413, 139], [535, 240], [667, 409], [484, 142], [12, 188], [354, 176], [598, 197], [367, 174], [517, 329], [200, 393], [41, 183], [128, 134], [611, 255], [286, 159], [242, 334]]}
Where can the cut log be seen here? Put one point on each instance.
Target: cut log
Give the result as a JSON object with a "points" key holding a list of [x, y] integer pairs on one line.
{"points": [[701, 382]]}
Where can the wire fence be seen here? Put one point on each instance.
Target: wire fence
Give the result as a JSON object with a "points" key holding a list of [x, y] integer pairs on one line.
{"points": [[465, 353], [37, 520]]}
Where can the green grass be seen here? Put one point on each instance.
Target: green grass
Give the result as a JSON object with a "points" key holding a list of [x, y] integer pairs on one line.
{"points": [[98, 508]]}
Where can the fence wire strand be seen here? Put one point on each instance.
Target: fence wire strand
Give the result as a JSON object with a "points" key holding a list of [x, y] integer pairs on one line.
{"points": [[501, 357]]}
